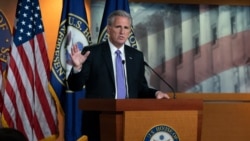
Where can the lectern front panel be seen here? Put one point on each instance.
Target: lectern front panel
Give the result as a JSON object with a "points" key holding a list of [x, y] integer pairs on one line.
{"points": [[139, 124]]}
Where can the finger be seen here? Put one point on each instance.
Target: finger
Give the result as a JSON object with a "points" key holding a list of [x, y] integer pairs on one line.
{"points": [[86, 54], [72, 51]]}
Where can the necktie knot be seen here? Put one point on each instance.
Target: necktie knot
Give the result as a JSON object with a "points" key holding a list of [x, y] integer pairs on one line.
{"points": [[118, 52]]}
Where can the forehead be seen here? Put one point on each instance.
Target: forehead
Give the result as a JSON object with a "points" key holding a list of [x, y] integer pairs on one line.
{"points": [[121, 20]]}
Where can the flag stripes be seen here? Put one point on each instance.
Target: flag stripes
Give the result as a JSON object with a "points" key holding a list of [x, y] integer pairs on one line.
{"points": [[28, 105]]}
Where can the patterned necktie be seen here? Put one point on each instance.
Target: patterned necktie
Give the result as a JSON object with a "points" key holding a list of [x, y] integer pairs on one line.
{"points": [[120, 78]]}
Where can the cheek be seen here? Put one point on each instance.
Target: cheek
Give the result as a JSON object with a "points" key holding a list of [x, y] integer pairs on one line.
{"points": [[127, 33]]}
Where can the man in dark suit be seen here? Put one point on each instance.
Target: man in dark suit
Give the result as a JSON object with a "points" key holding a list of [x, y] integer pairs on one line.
{"points": [[95, 67]]}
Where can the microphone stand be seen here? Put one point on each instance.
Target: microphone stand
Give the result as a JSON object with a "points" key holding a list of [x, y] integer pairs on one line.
{"points": [[172, 89]]}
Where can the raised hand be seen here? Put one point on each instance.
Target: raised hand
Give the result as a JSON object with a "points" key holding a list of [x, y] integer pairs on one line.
{"points": [[77, 58]]}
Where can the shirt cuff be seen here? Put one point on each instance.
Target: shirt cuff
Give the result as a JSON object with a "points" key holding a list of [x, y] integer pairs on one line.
{"points": [[76, 70]]}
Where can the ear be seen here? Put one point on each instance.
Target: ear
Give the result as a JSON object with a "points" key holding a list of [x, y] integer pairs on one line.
{"points": [[108, 29]]}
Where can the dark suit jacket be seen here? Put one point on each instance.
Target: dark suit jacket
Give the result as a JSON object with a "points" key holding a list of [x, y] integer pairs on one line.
{"points": [[98, 76]]}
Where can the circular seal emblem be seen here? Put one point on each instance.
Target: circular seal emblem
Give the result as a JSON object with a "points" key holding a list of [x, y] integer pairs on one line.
{"points": [[73, 32], [5, 35], [161, 133]]}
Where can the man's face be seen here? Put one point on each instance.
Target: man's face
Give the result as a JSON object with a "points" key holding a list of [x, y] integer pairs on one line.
{"points": [[119, 31]]}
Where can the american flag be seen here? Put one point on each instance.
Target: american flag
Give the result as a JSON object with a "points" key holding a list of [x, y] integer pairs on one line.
{"points": [[28, 105]]}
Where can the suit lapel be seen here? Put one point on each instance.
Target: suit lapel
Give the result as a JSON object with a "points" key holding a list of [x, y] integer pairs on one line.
{"points": [[108, 59], [129, 61]]}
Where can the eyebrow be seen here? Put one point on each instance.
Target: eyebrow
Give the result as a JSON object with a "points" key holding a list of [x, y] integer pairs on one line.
{"points": [[127, 27]]}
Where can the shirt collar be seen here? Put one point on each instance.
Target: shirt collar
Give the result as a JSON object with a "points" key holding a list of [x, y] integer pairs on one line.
{"points": [[113, 48]]}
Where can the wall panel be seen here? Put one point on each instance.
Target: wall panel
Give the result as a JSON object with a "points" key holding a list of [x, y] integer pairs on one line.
{"points": [[225, 116]]}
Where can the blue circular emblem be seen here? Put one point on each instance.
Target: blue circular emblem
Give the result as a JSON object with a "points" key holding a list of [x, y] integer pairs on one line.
{"points": [[161, 133], [5, 41], [73, 31]]}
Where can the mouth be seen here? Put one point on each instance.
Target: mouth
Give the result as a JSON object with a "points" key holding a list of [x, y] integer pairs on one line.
{"points": [[121, 37]]}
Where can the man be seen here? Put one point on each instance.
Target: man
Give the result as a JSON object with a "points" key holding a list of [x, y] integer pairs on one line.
{"points": [[95, 66]]}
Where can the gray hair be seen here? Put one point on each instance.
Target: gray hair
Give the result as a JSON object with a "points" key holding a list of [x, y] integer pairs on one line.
{"points": [[121, 13]]}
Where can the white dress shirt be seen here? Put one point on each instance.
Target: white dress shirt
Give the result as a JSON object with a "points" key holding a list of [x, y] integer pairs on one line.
{"points": [[113, 49]]}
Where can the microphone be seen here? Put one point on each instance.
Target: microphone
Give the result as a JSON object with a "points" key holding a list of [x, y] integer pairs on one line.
{"points": [[123, 63], [172, 89]]}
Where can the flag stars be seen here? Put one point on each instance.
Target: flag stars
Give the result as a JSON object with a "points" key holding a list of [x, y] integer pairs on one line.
{"points": [[26, 7], [21, 30], [20, 38], [24, 15], [23, 22], [30, 21], [31, 18], [40, 26], [28, 34], [30, 26]]}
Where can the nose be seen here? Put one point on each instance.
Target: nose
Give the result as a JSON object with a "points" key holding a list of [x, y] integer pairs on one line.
{"points": [[122, 30]]}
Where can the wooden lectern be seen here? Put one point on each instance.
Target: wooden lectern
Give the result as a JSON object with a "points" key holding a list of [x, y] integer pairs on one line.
{"points": [[132, 119]]}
